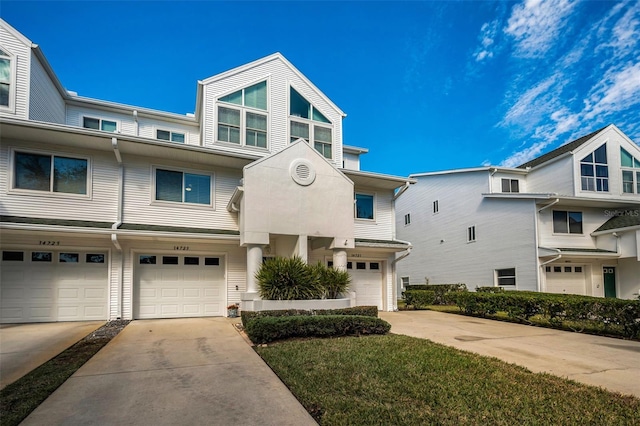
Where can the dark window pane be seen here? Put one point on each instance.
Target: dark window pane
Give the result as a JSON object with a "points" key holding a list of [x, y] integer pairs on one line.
{"points": [[197, 189], [361, 265], [70, 175], [15, 256], [600, 154], [41, 256], [168, 185], [586, 170], [575, 222], [177, 137], [511, 272], [560, 222], [364, 206], [256, 96], [109, 126], [567, 268], [147, 260], [577, 269], [68, 257], [515, 185], [233, 98], [349, 265], [547, 268], [557, 269], [95, 258], [91, 123], [330, 264], [506, 187], [374, 266], [169, 260], [298, 106], [212, 261], [4, 94], [163, 135], [189, 260], [602, 171], [32, 171]]}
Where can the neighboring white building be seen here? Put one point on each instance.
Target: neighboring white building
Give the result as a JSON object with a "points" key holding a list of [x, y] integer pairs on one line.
{"points": [[114, 211], [565, 222]]}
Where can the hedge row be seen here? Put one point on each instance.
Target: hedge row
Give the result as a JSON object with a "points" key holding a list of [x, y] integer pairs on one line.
{"points": [[419, 299], [439, 290], [367, 311], [269, 328], [616, 315]]}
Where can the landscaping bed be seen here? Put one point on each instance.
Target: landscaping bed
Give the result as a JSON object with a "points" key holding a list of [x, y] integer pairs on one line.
{"points": [[402, 380]]}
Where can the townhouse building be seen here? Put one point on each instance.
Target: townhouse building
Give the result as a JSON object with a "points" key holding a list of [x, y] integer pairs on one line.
{"points": [[117, 211]]}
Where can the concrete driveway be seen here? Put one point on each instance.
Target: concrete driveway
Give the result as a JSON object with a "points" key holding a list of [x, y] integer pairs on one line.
{"points": [[196, 371], [23, 347], [594, 360]]}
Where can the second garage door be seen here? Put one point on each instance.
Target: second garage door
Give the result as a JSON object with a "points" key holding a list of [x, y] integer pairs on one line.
{"points": [[170, 286], [366, 281]]}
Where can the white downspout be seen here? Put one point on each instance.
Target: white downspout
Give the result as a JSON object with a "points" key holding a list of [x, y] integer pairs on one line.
{"points": [[546, 206], [406, 253], [401, 191], [136, 125], [118, 222], [537, 230]]}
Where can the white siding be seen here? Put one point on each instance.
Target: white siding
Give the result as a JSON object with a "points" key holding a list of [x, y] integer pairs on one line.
{"points": [[140, 208], [45, 103], [279, 76], [101, 206], [554, 177], [505, 233], [125, 122], [351, 161], [496, 182], [382, 227], [22, 55], [592, 219], [147, 128], [628, 279]]}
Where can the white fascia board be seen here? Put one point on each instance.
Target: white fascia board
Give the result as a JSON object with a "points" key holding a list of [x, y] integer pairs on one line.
{"points": [[47, 67], [520, 195], [128, 109], [494, 169], [390, 178], [269, 58], [354, 149]]}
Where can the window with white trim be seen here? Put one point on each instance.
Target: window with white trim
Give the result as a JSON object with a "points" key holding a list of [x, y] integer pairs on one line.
{"points": [[630, 172], [242, 116], [471, 234], [364, 206], [436, 207], [99, 124], [7, 83], [308, 123], [407, 219], [50, 173], [566, 222], [404, 282], [168, 135], [506, 276], [594, 171], [182, 187], [510, 185]]}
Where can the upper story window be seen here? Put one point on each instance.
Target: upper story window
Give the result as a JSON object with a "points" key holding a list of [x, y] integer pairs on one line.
{"points": [[630, 173], [99, 124], [167, 135], [565, 222], [50, 173], [471, 234], [436, 206], [510, 185], [407, 219], [307, 123], [245, 124], [594, 171], [6, 79], [182, 187], [364, 206]]}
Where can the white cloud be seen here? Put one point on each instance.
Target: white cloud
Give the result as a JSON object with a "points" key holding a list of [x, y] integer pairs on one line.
{"points": [[487, 37], [618, 90], [536, 24], [531, 104], [525, 155]]}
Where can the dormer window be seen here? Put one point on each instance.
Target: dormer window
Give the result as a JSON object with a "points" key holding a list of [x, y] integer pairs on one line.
{"points": [[630, 173], [6, 79], [245, 124], [307, 123], [594, 171]]}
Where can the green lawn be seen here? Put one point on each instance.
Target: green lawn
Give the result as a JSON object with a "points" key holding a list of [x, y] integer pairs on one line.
{"points": [[400, 380]]}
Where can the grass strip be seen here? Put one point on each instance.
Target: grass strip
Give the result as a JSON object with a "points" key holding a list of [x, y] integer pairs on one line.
{"points": [[20, 398], [401, 380]]}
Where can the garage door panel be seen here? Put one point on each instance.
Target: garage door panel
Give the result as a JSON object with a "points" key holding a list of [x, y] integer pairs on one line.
{"points": [[192, 293], [367, 284], [40, 294]]}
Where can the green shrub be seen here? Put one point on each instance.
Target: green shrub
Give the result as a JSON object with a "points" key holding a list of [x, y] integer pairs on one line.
{"points": [[267, 329], [288, 278], [367, 311], [440, 290], [334, 281], [488, 289], [419, 298]]}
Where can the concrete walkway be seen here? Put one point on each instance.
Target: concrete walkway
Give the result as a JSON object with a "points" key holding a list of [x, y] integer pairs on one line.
{"points": [[23, 347], [196, 371], [601, 361]]}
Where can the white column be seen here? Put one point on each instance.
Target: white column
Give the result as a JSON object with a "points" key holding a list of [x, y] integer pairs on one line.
{"points": [[301, 248], [254, 260], [340, 259]]}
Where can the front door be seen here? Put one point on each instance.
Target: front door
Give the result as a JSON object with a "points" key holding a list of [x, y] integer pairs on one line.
{"points": [[609, 281]]}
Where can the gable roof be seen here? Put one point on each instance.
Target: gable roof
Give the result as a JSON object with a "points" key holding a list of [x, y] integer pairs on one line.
{"points": [[561, 150], [631, 219]]}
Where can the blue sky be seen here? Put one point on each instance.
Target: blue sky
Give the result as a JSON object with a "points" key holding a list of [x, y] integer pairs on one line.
{"points": [[426, 85]]}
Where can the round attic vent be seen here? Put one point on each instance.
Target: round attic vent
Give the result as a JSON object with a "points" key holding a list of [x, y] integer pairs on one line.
{"points": [[302, 172]]}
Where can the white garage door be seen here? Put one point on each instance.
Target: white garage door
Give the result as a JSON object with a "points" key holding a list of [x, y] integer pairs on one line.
{"points": [[566, 279], [171, 286], [44, 286], [366, 281]]}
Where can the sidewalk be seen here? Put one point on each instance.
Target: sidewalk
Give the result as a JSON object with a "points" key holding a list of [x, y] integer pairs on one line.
{"points": [[600, 361]]}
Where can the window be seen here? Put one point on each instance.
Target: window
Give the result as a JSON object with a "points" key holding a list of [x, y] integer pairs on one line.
{"points": [[68, 257], [94, 258], [303, 115], [6, 79], [349, 265], [41, 256], [567, 268], [630, 173], [169, 260], [557, 269], [404, 282], [50, 173], [374, 266], [183, 187], [407, 219], [13, 256], [435, 206], [594, 171], [565, 222], [212, 261], [506, 276], [146, 259], [361, 265], [99, 124], [510, 185], [577, 269], [232, 121], [364, 206], [167, 135], [471, 234], [190, 260]]}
